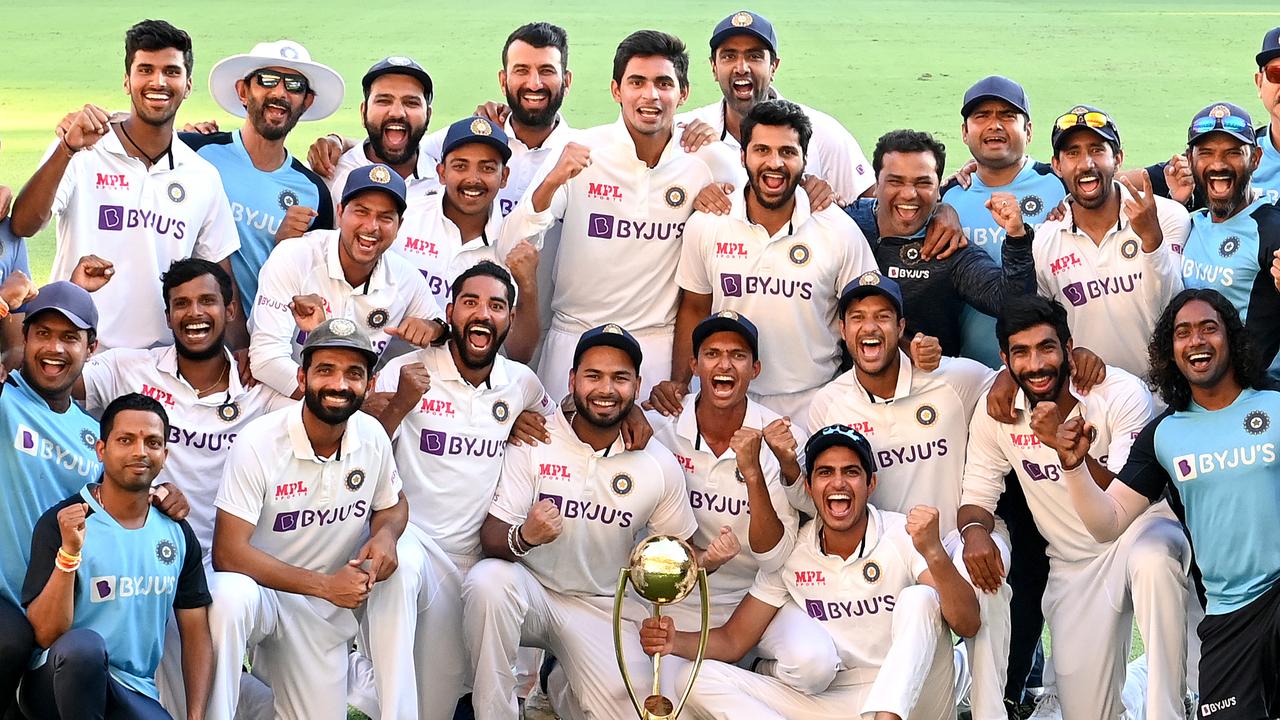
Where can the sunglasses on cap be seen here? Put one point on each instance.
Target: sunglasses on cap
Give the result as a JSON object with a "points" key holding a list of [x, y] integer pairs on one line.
{"points": [[1230, 123], [1093, 119], [1272, 73], [293, 83]]}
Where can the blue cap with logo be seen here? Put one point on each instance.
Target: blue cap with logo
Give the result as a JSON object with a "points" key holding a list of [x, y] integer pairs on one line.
{"points": [[609, 335], [996, 87], [1223, 117], [375, 177], [871, 283], [73, 301], [1087, 117], [475, 129], [838, 436], [727, 321], [1270, 47], [745, 22], [398, 65]]}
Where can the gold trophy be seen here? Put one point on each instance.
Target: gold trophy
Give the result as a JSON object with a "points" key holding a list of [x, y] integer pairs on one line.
{"points": [[663, 571]]}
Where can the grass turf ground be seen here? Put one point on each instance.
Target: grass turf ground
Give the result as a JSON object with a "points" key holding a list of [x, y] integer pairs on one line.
{"points": [[875, 64]]}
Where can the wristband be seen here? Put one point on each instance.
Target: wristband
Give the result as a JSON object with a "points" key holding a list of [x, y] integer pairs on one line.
{"points": [[444, 332], [973, 524], [66, 562], [71, 152], [513, 533], [524, 542]]}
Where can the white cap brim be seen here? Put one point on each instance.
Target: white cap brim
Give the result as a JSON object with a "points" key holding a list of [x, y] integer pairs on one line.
{"points": [[326, 83]]}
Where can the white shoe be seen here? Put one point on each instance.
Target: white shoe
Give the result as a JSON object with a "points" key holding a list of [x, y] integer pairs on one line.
{"points": [[538, 707], [1047, 707]]}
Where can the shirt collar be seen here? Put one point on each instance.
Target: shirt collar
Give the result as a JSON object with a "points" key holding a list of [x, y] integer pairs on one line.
{"points": [[799, 215], [559, 131], [167, 363], [439, 361], [672, 147], [112, 143], [378, 279], [616, 448], [301, 444], [869, 540], [687, 423], [1120, 225], [901, 389]]}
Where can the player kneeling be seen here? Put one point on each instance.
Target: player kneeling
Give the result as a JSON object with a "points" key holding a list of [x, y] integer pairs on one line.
{"points": [[880, 582]]}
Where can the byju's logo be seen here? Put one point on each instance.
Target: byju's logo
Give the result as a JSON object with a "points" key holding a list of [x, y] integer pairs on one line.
{"points": [[27, 440], [110, 217], [816, 609], [599, 225], [434, 442], [294, 519], [736, 285], [102, 588]]}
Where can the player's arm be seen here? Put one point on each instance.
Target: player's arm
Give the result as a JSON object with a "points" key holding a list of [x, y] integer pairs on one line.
{"points": [[766, 529], [1106, 514], [406, 382], [48, 593], [271, 340], [959, 603], [233, 552], [526, 330], [35, 203], [191, 610], [518, 522], [693, 308], [727, 643], [984, 479], [378, 555]]}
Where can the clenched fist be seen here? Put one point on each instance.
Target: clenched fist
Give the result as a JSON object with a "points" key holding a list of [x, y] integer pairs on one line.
{"points": [[308, 311], [922, 526], [573, 160], [721, 550], [71, 524], [543, 524]]}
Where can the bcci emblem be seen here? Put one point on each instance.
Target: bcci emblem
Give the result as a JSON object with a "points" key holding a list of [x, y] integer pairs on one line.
{"points": [[501, 412], [871, 572], [355, 479], [1229, 246], [799, 254], [380, 174], [871, 277], [166, 552], [229, 411], [728, 315], [612, 329], [341, 327], [675, 196], [742, 19], [88, 438], [1219, 111], [1129, 249], [910, 254], [926, 415], [1031, 205], [287, 199], [480, 126], [177, 193], [377, 318], [1256, 422], [622, 484]]}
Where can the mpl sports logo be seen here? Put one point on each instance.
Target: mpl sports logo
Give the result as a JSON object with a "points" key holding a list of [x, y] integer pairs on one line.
{"points": [[440, 408], [586, 510], [809, 578], [1064, 263], [117, 218], [604, 191], [434, 442], [731, 250], [608, 227], [1193, 465], [739, 285], [112, 181], [420, 246], [162, 396], [1079, 293], [828, 610], [291, 520], [291, 489]]}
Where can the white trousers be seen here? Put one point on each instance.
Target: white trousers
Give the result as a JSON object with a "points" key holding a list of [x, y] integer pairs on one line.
{"points": [[988, 650], [916, 680], [301, 648], [557, 360], [255, 697]]}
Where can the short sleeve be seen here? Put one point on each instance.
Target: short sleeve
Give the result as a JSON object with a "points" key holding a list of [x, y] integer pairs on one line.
{"points": [[387, 492], [1143, 471], [193, 587], [673, 515], [986, 464], [535, 396], [692, 273], [244, 483], [100, 381], [770, 589], [516, 486], [46, 538]]}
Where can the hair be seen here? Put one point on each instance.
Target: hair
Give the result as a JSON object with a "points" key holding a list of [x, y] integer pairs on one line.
{"points": [[184, 271], [1027, 311], [157, 35], [908, 141], [648, 43], [485, 268], [131, 401], [1165, 377], [540, 35], [778, 113]]}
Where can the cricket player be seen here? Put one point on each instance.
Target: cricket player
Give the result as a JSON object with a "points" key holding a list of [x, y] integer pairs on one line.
{"points": [[1214, 450], [623, 192], [107, 571], [744, 59], [564, 519], [309, 514], [882, 585], [1102, 585], [117, 184], [772, 258], [341, 273]]}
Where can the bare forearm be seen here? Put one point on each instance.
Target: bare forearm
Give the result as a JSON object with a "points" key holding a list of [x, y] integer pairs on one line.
{"points": [[197, 663], [1102, 477], [959, 603], [692, 309], [395, 411], [392, 520], [765, 530], [542, 195], [53, 610], [493, 540], [34, 205], [969, 514], [522, 342], [720, 646], [266, 570]]}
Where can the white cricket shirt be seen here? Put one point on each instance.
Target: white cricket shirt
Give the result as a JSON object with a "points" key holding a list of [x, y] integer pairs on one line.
{"points": [[788, 284], [309, 264], [918, 435], [450, 448], [607, 499], [111, 205], [308, 511], [422, 181], [433, 244]]}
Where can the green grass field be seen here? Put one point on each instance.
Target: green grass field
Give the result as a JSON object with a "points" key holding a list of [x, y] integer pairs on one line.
{"points": [[874, 64]]}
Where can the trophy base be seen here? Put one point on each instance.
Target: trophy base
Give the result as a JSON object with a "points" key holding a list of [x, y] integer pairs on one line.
{"points": [[657, 707]]}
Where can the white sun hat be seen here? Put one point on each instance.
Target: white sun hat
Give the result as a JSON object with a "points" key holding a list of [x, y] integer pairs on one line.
{"points": [[324, 81]]}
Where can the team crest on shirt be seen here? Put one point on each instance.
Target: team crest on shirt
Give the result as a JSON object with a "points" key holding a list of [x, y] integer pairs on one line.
{"points": [[799, 254], [166, 552], [1256, 422], [1129, 249], [88, 438], [926, 415], [229, 411], [622, 484], [176, 192], [378, 318], [910, 254], [675, 196], [742, 19], [287, 199], [871, 572], [501, 411], [1229, 246], [355, 479], [1031, 205]]}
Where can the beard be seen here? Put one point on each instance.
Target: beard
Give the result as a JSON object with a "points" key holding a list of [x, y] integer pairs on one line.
{"points": [[268, 131], [327, 415], [1239, 198], [458, 336], [788, 192], [380, 148], [539, 119], [1064, 374], [605, 422], [213, 351]]}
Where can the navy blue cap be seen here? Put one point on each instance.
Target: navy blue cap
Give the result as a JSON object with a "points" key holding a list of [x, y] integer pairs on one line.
{"points": [[398, 65], [730, 321], [1270, 47], [610, 335], [1108, 131], [838, 436], [745, 22], [375, 177], [996, 87], [476, 129], [73, 301], [1223, 117], [871, 283]]}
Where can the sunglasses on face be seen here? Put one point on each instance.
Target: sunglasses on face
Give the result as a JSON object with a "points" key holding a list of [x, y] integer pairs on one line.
{"points": [[293, 83], [1230, 123], [1093, 119], [1272, 74]]}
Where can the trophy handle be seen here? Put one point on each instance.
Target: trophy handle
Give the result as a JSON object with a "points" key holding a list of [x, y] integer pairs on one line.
{"points": [[705, 594], [618, 597]]}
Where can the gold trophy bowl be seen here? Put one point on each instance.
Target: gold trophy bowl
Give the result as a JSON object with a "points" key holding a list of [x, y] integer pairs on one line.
{"points": [[663, 571]]}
